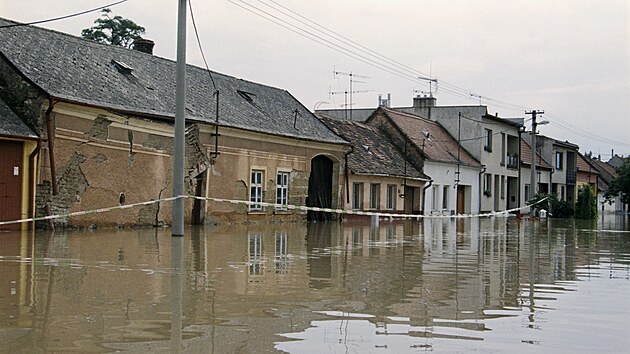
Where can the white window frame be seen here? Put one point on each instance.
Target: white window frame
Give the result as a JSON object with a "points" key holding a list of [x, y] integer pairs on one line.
{"points": [[282, 189], [392, 194], [375, 194], [256, 188], [357, 196]]}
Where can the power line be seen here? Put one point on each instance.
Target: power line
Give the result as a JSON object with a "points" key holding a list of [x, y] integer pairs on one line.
{"points": [[63, 17], [203, 55]]}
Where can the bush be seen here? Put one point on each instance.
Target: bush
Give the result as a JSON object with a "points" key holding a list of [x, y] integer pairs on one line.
{"points": [[556, 208], [586, 206]]}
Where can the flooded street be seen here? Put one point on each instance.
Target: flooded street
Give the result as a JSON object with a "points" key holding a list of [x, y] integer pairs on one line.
{"points": [[441, 285]]}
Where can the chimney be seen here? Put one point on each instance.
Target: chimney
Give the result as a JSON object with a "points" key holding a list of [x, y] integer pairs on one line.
{"points": [[144, 45], [425, 101]]}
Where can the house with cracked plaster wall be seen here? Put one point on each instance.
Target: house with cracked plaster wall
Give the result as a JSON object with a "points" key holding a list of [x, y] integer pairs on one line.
{"points": [[99, 121]]}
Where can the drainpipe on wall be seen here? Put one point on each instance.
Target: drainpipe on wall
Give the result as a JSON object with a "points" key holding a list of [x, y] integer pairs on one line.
{"points": [[346, 175], [483, 170], [31, 178], [51, 146], [424, 195]]}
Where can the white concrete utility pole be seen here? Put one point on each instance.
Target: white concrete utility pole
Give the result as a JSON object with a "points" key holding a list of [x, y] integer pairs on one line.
{"points": [[179, 149]]}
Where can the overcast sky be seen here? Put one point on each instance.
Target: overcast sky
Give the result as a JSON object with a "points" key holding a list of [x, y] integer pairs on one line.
{"points": [[570, 58]]}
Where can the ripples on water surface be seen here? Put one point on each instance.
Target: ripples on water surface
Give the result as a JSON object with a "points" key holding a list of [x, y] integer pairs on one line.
{"points": [[490, 285]]}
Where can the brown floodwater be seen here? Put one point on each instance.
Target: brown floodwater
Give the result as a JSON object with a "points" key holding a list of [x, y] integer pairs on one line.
{"points": [[484, 285]]}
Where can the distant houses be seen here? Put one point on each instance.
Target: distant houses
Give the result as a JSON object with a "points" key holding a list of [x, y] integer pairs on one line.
{"points": [[86, 126]]}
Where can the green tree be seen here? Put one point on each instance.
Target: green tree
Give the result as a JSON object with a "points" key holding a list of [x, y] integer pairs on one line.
{"points": [[620, 186], [556, 208], [586, 205], [113, 30]]}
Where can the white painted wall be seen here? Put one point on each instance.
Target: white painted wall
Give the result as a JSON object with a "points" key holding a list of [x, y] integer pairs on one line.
{"points": [[443, 175]]}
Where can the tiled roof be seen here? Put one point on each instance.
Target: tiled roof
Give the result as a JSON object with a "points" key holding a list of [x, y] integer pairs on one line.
{"points": [[607, 172], [12, 125], [373, 153], [440, 146], [584, 166], [86, 72], [526, 156]]}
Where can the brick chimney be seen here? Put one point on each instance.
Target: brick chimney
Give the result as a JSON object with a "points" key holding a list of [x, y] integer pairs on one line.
{"points": [[144, 45], [425, 101]]}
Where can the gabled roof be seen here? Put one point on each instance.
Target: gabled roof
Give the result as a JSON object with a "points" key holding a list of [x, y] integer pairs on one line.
{"points": [[110, 77], [11, 125], [526, 157], [583, 165], [374, 153], [440, 146], [606, 171]]}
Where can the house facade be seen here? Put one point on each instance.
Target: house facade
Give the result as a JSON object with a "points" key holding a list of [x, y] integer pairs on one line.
{"points": [[491, 140], [544, 171], [380, 177], [563, 157], [105, 118], [18, 147], [454, 172], [607, 173]]}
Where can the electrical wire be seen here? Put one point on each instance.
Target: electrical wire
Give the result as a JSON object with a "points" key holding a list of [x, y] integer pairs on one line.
{"points": [[203, 55], [63, 17]]}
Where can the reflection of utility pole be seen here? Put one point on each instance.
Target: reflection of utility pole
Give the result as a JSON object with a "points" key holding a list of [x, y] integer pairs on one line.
{"points": [[533, 190]]}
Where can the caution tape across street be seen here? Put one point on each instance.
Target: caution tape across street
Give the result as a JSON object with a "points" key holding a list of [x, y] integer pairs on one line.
{"points": [[273, 205]]}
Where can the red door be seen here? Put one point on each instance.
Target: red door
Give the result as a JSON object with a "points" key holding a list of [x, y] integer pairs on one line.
{"points": [[10, 182]]}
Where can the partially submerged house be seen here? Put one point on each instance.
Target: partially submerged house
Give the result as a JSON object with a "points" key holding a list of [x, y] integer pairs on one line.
{"points": [[490, 139], [380, 176], [607, 173], [544, 170], [103, 116], [454, 172], [18, 147]]}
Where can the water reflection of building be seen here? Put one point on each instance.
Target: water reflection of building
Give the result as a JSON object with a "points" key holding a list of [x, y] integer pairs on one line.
{"points": [[243, 285]]}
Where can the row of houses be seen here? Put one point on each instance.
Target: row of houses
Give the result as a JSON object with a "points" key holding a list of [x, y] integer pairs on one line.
{"points": [[86, 126]]}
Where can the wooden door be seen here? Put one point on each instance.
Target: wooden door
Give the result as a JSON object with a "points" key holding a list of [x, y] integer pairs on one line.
{"points": [[10, 182], [461, 199]]}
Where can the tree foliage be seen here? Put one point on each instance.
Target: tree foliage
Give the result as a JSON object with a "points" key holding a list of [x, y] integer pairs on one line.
{"points": [[620, 186], [586, 205], [113, 30]]}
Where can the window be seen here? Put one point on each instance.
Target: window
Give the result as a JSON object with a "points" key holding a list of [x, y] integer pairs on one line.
{"points": [[487, 186], [488, 140], [445, 197], [391, 196], [527, 196], [503, 149], [502, 187], [255, 254], [357, 196], [256, 190], [562, 196], [282, 190], [281, 259], [375, 191], [559, 156], [434, 198]]}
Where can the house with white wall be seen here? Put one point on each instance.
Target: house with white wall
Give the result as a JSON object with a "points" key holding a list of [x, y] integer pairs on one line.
{"points": [[544, 171], [454, 172], [491, 140]]}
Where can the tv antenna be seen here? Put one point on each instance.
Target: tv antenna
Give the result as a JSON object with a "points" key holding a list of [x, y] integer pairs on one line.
{"points": [[352, 78], [430, 81]]}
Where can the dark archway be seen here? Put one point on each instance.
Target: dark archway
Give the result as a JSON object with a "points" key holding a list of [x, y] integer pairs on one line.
{"points": [[320, 188]]}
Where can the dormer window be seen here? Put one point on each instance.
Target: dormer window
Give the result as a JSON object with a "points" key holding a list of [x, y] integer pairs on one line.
{"points": [[248, 96], [122, 68]]}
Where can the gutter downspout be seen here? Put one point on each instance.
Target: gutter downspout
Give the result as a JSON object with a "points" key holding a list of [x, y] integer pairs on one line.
{"points": [[346, 174], [483, 170], [51, 146], [424, 195], [31, 178]]}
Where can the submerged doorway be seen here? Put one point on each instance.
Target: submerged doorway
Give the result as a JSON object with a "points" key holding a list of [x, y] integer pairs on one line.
{"points": [[461, 199], [320, 188], [11, 183]]}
